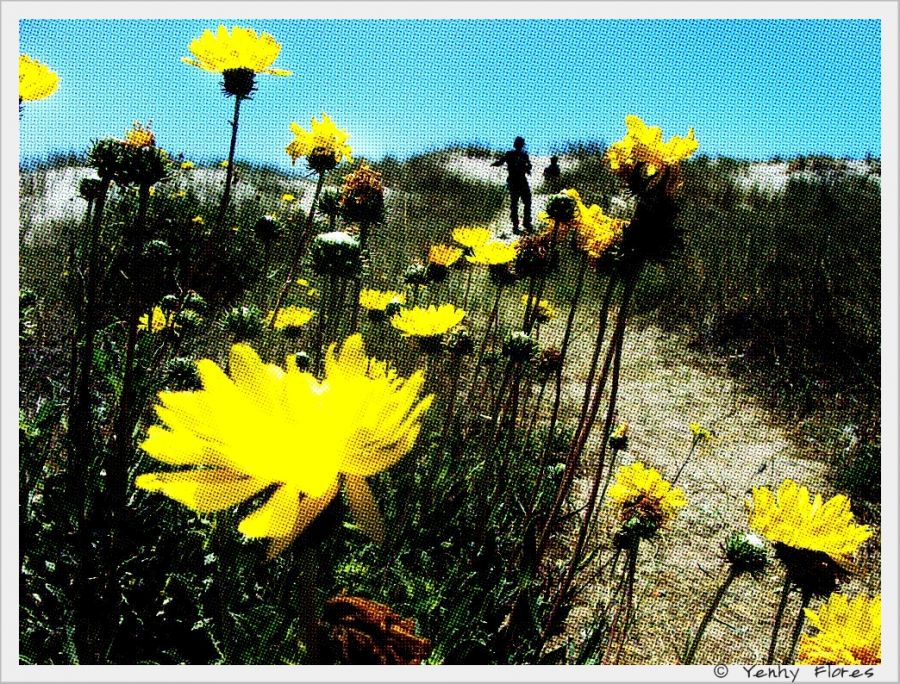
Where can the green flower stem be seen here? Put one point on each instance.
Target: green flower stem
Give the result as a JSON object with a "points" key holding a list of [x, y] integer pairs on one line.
{"points": [[484, 343], [117, 468], [581, 435], [530, 297], [617, 344], [309, 606], [557, 400], [779, 615], [625, 611], [805, 597], [694, 444], [229, 172], [595, 357], [707, 618], [468, 287], [293, 271]]}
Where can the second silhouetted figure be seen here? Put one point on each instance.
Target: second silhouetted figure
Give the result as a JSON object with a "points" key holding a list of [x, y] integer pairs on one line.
{"points": [[518, 167]]}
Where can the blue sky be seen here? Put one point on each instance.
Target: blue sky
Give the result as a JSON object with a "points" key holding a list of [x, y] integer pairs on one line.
{"points": [[750, 89]]}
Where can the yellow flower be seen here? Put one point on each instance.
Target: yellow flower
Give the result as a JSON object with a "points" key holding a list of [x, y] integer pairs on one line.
{"points": [[151, 191], [139, 136], [793, 519], [241, 49], [430, 322], [224, 163], [198, 220], [157, 323], [849, 632], [493, 253], [324, 139], [471, 236], [302, 282], [36, 80], [283, 431], [596, 231], [643, 144], [290, 317], [700, 433], [443, 255], [545, 310], [377, 300], [187, 165], [645, 489], [288, 197], [621, 431], [179, 194]]}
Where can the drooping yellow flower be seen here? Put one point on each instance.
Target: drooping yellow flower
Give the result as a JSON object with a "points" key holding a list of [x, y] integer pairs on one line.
{"points": [[290, 317], [36, 80], [492, 253], [596, 231], [323, 139], [139, 136], [471, 236], [430, 322], [240, 49], [796, 520], [545, 310], [156, 323], [443, 255], [849, 632], [377, 300], [643, 144], [648, 491], [267, 428]]}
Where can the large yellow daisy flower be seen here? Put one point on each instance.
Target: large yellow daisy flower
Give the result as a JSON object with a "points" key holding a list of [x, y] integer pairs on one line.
{"points": [[323, 138], [241, 49], [265, 427], [849, 632], [644, 144], [646, 489], [493, 253], [791, 517], [430, 322], [36, 80]]}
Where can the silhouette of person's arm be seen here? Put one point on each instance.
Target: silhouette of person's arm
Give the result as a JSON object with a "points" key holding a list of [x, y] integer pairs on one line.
{"points": [[500, 161]]}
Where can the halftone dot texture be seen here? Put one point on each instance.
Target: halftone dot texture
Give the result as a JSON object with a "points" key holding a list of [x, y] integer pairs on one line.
{"points": [[748, 357]]}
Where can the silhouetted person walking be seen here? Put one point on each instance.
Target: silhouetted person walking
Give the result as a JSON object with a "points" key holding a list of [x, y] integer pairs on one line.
{"points": [[518, 166], [552, 174]]}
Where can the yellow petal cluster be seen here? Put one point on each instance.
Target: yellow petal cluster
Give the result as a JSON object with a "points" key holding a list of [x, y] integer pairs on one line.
{"points": [[492, 253], [240, 49], [849, 632], [377, 300], [792, 517], [643, 144], [471, 236], [290, 317], [284, 432], [155, 322], [700, 432], [636, 481], [139, 136], [430, 322], [444, 255], [323, 138], [596, 231], [36, 80]]}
